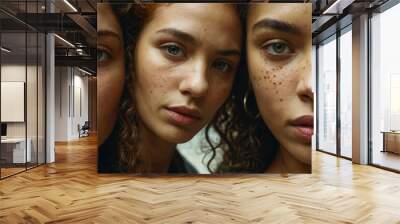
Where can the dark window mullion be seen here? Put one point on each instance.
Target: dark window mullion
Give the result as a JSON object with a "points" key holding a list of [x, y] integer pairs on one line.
{"points": [[37, 89], [338, 74], [0, 97], [369, 89], [317, 96], [26, 87]]}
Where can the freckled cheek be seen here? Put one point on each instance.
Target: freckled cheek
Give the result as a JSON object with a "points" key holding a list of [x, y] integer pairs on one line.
{"points": [[156, 82], [155, 73], [271, 79], [271, 84]]}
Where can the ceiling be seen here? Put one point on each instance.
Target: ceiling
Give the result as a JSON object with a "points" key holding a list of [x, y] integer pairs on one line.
{"points": [[76, 25], [79, 27], [332, 15]]}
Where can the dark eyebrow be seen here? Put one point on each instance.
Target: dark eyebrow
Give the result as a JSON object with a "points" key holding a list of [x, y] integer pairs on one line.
{"points": [[276, 25], [177, 33], [229, 52], [108, 33]]}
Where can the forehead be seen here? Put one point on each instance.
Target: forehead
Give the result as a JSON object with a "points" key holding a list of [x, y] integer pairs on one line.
{"points": [[181, 14], [298, 14], [106, 19], [216, 24]]}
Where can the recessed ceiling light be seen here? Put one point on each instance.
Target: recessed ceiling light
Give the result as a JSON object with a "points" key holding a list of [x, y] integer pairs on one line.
{"points": [[84, 71], [5, 50], [70, 5], [65, 41], [337, 7]]}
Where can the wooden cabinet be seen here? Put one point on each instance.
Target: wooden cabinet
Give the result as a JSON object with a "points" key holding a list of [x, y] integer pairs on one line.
{"points": [[391, 141]]}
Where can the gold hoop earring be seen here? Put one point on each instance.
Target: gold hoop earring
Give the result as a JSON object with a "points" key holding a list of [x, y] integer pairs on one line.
{"points": [[245, 107]]}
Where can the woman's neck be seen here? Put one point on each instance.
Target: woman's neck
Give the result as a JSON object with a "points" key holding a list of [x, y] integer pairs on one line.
{"points": [[157, 151], [285, 163]]}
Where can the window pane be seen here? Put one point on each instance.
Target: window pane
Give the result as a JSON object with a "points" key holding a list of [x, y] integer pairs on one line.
{"points": [[327, 96], [386, 89], [345, 94]]}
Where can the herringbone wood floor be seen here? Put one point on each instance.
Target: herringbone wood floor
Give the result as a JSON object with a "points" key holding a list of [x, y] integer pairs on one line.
{"points": [[70, 191]]}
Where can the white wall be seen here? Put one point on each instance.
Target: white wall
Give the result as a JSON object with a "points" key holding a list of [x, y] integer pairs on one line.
{"points": [[80, 84], [14, 72], [61, 103], [71, 93]]}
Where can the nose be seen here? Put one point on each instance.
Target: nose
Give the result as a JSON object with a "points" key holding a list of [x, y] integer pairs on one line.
{"points": [[304, 87], [195, 83]]}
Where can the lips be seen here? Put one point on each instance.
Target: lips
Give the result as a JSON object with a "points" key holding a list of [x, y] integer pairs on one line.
{"points": [[183, 115], [304, 126]]}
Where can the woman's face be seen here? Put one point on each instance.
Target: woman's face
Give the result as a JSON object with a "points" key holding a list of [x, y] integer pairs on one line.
{"points": [[185, 63], [110, 69], [278, 55]]}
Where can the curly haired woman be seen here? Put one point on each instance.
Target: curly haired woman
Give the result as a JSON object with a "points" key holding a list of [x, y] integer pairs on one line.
{"points": [[271, 125], [181, 63]]}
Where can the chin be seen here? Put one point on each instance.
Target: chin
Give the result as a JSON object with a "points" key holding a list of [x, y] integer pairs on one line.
{"points": [[177, 136], [301, 152]]}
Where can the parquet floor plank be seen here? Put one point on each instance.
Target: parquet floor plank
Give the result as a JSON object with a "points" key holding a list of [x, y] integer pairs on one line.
{"points": [[71, 191]]}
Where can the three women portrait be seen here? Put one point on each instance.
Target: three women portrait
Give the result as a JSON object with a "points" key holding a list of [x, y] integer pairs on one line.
{"points": [[239, 73]]}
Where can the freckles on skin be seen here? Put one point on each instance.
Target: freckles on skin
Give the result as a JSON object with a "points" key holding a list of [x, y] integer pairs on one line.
{"points": [[270, 80], [157, 85], [272, 77]]}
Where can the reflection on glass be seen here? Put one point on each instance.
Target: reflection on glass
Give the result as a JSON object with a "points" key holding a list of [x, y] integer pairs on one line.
{"points": [[327, 96], [386, 89], [22, 90], [346, 94], [14, 151]]}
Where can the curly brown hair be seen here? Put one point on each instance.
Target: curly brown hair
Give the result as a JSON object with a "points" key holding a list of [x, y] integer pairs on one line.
{"points": [[133, 18], [247, 143]]}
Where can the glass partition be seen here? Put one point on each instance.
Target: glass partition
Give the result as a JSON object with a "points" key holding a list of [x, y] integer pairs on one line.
{"points": [[22, 89], [327, 95], [13, 109]]}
